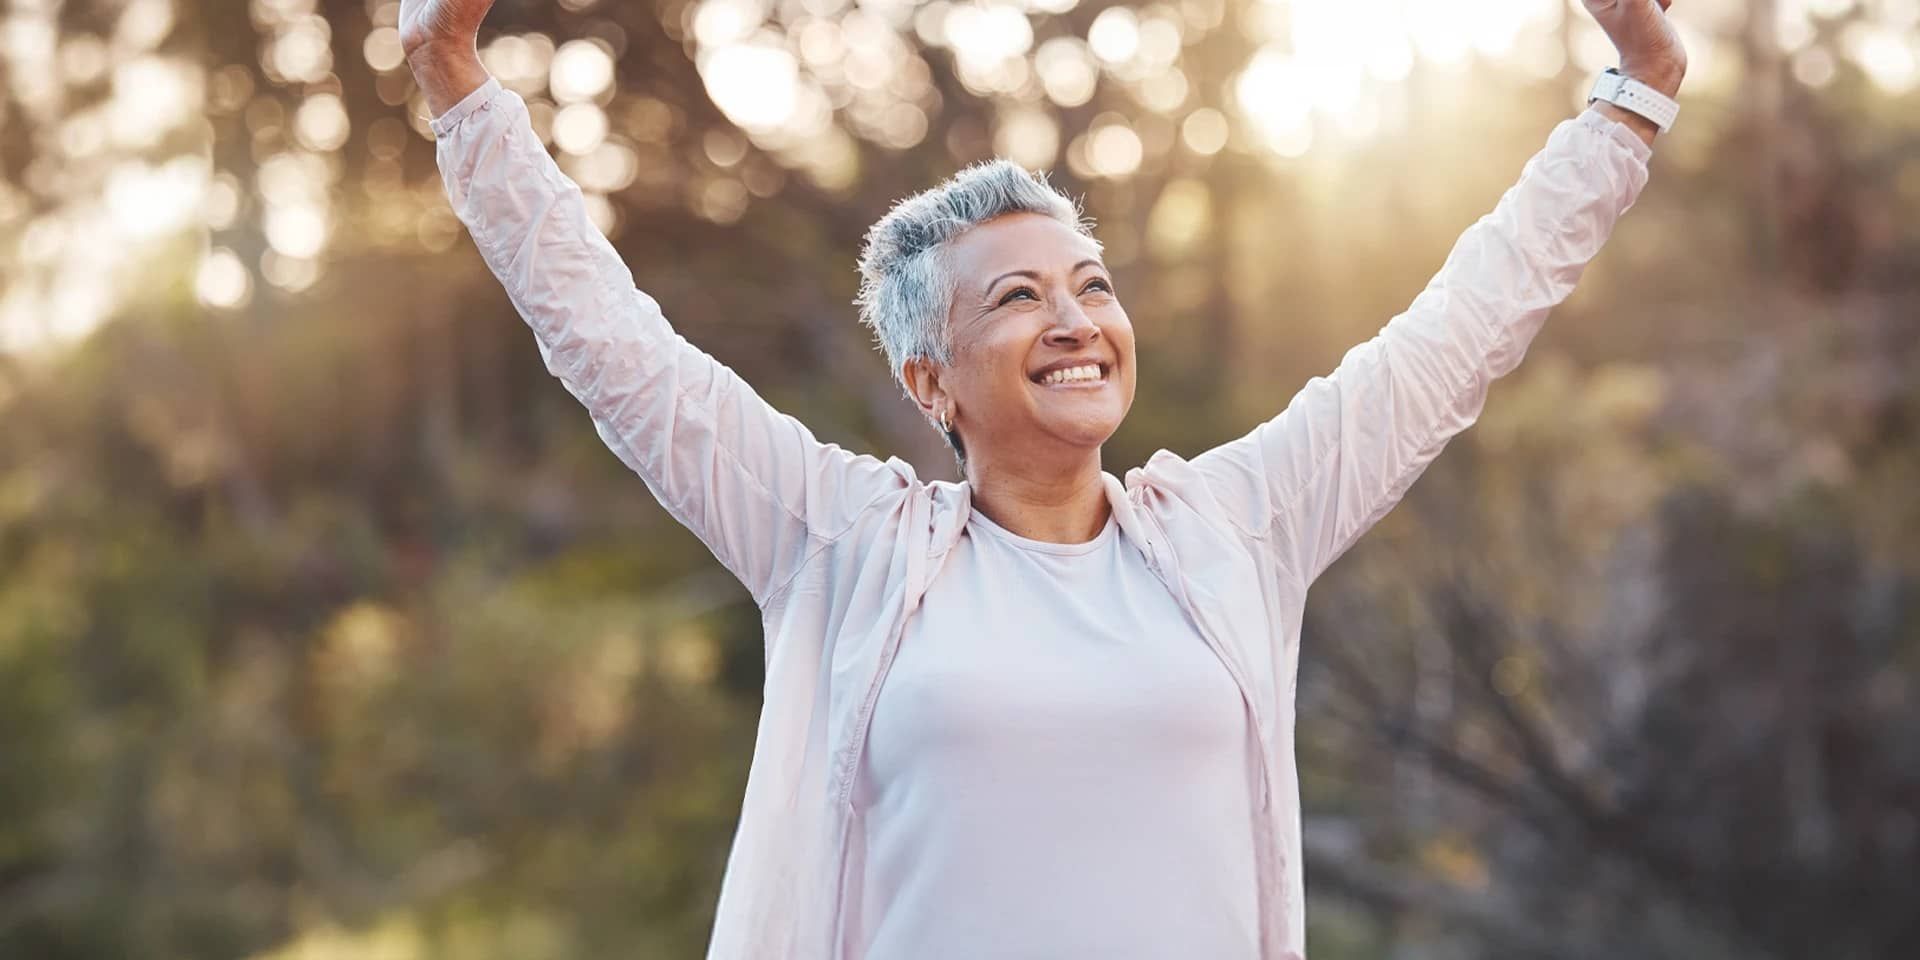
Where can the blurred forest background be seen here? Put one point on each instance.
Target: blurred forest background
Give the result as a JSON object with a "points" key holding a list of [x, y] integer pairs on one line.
{"points": [[328, 628]]}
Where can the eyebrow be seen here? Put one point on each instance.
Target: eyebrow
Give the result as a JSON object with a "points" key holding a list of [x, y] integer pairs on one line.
{"points": [[1029, 274]]}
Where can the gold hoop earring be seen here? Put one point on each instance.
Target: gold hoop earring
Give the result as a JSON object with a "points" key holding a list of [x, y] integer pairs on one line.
{"points": [[945, 427]]}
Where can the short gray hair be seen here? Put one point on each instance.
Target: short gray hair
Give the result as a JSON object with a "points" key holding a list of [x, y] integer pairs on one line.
{"points": [[906, 284]]}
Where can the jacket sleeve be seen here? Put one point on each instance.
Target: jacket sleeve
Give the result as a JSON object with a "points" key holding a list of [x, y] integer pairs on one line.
{"points": [[1350, 444], [752, 483]]}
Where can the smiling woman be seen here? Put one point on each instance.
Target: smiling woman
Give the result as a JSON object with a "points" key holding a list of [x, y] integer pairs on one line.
{"points": [[996, 313], [1040, 712]]}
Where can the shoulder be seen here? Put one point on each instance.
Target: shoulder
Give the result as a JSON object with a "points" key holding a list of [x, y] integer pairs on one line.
{"points": [[1211, 488]]}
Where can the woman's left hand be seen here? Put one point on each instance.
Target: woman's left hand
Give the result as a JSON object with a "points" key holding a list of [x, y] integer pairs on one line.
{"points": [[1650, 47]]}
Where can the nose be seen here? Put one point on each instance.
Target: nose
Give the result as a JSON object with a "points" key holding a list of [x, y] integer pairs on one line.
{"points": [[1072, 327]]}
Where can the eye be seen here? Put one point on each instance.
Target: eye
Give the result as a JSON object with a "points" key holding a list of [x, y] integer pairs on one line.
{"points": [[1098, 283], [1016, 291]]}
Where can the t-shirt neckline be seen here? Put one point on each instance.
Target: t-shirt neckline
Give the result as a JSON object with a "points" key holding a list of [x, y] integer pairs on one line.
{"points": [[1099, 540]]}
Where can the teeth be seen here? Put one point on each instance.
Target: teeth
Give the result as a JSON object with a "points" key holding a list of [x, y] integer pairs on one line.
{"points": [[1078, 374]]}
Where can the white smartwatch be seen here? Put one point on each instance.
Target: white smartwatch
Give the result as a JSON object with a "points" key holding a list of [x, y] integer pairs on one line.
{"points": [[1629, 94]]}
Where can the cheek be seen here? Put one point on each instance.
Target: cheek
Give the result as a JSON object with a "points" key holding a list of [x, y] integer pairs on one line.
{"points": [[1119, 330], [986, 369], [1121, 335], [1001, 357]]}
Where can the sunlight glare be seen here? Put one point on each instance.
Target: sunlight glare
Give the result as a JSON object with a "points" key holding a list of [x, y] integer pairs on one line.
{"points": [[151, 201], [756, 86], [1391, 58], [1332, 40], [717, 23], [987, 36], [1443, 37], [1887, 56], [152, 95], [1273, 91]]}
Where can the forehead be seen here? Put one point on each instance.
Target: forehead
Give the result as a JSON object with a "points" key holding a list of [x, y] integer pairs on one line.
{"points": [[1019, 241]]}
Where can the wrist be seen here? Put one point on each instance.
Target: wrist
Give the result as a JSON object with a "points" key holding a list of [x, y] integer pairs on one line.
{"points": [[1645, 129], [446, 71], [1663, 77]]}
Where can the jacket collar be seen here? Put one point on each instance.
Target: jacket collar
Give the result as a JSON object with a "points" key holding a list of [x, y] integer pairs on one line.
{"points": [[955, 504]]}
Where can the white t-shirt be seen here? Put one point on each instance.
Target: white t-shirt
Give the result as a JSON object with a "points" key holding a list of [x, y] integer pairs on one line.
{"points": [[1058, 767]]}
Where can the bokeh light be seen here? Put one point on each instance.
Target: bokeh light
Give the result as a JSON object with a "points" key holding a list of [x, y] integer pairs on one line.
{"points": [[83, 59], [582, 70], [1028, 137], [382, 49], [579, 128], [808, 87], [1067, 71], [297, 230], [1891, 58], [756, 86], [1205, 131], [309, 410], [1114, 149], [290, 273], [522, 62], [321, 122], [152, 95], [302, 52], [610, 167], [1180, 219], [223, 281], [1114, 35], [143, 24], [153, 201]]}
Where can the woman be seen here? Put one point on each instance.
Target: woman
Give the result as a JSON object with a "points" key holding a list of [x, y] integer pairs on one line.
{"points": [[1042, 712]]}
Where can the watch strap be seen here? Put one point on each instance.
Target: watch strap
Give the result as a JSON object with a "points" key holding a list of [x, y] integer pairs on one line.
{"points": [[1629, 94]]}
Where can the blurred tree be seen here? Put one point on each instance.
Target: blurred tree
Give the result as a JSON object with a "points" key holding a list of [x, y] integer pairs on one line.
{"points": [[328, 627]]}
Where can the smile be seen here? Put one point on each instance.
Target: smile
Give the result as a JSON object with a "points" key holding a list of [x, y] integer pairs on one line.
{"points": [[1090, 373]]}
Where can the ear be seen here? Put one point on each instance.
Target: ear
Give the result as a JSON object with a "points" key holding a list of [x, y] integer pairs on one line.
{"points": [[923, 384]]}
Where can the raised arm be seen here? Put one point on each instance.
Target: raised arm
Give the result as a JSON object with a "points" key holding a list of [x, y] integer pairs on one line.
{"points": [[1350, 444], [753, 484]]}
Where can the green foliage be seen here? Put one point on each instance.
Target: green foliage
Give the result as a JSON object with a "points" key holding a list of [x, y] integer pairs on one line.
{"points": [[328, 627]]}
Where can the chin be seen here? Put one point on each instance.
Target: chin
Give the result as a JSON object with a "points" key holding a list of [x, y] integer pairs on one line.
{"points": [[1089, 431]]}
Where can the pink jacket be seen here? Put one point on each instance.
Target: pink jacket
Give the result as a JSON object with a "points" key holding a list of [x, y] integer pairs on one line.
{"points": [[837, 548]]}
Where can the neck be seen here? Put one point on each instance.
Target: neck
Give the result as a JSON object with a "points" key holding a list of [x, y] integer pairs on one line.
{"points": [[1052, 503]]}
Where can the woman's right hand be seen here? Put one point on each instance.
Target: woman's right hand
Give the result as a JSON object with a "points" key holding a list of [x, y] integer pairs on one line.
{"points": [[439, 38]]}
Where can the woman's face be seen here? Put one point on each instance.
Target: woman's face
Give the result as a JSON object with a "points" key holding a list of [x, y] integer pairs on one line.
{"points": [[1042, 351]]}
